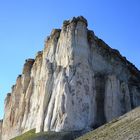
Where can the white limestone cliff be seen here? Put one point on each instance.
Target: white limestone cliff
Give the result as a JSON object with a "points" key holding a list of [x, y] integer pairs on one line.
{"points": [[76, 83], [1, 129]]}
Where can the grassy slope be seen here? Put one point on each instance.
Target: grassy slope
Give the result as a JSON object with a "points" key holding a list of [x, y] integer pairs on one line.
{"points": [[31, 135], [126, 127], [28, 135]]}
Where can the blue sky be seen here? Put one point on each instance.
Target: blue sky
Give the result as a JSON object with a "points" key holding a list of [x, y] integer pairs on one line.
{"points": [[24, 25]]}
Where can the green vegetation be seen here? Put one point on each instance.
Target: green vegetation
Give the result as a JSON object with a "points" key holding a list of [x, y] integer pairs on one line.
{"points": [[31, 135], [26, 136]]}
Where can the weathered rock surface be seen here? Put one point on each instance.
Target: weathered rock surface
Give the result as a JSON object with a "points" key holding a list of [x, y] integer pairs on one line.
{"points": [[76, 83], [1, 129], [126, 127]]}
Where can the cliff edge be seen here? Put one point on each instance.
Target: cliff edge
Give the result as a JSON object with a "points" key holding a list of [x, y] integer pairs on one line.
{"points": [[77, 83]]}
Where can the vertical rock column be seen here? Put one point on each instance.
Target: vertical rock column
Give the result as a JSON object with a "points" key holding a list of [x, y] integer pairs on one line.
{"points": [[7, 119], [117, 98], [32, 95], [26, 87], [14, 104], [72, 103], [47, 77], [26, 74], [1, 121], [112, 95]]}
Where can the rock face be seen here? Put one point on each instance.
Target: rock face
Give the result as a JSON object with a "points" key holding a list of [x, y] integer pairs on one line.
{"points": [[76, 83], [1, 129]]}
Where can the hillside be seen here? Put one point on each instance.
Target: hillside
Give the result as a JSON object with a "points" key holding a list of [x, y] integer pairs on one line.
{"points": [[126, 127], [31, 135]]}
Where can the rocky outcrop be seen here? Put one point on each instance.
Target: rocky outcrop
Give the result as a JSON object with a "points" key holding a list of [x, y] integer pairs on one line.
{"points": [[76, 83], [117, 98], [123, 128], [1, 129]]}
